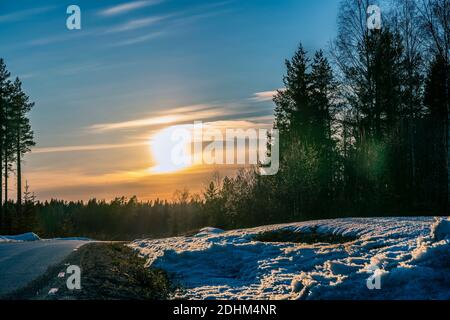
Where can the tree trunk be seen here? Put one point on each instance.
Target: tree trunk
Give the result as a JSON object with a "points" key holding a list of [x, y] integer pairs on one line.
{"points": [[2, 220], [6, 179], [19, 178], [447, 133], [1, 181]]}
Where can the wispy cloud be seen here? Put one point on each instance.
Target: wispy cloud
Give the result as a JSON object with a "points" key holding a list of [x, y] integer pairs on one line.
{"points": [[134, 123], [221, 124], [173, 116], [26, 76], [24, 14], [59, 38], [264, 96], [183, 20], [127, 7], [137, 24], [178, 18], [138, 39], [92, 147]]}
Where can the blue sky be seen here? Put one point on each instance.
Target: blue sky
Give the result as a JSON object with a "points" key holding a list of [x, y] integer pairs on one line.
{"points": [[145, 59]]}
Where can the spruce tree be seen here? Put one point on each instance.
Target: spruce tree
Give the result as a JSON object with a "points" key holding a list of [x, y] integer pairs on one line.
{"points": [[291, 112], [4, 86]]}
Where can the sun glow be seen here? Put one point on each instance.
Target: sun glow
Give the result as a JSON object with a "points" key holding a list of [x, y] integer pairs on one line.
{"points": [[167, 156]]}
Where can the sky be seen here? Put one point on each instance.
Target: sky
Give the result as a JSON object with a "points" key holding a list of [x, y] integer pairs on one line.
{"points": [[105, 92]]}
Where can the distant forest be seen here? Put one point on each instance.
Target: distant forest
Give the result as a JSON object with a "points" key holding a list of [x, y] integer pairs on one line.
{"points": [[363, 130]]}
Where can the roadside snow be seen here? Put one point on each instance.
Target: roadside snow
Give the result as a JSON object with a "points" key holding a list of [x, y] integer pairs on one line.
{"points": [[73, 239], [30, 236], [410, 256]]}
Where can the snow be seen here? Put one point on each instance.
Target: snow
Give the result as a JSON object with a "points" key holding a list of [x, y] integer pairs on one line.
{"points": [[440, 229], [30, 236], [409, 256], [53, 291], [208, 231], [73, 239]]}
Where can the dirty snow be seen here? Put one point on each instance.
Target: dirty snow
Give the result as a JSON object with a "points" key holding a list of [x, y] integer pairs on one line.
{"points": [[30, 236], [73, 239], [207, 231], [410, 257]]}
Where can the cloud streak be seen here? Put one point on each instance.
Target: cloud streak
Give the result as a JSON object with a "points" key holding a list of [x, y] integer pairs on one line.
{"points": [[264, 96], [59, 38], [20, 15], [173, 116], [138, 39], [137, 24], [134, 123], [94, 147], [127, 7]]}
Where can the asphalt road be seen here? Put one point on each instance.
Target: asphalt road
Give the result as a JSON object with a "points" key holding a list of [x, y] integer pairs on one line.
{"points": [[22, 262]]}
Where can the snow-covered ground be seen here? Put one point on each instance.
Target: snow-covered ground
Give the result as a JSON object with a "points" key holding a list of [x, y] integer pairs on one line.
{"points": [[30, 236], [408, 257]]}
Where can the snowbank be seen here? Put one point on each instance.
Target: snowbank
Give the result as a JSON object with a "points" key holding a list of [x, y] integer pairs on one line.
{"points": [[208, 231], [30, 236], [410, 257], [74, 239], [440, 229]]}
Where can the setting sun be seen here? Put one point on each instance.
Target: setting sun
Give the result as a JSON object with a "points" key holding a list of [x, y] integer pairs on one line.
{"points": [[169, 151]]}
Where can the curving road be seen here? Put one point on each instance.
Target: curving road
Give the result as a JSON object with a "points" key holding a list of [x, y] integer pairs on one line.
{"points": [[22, 262]]}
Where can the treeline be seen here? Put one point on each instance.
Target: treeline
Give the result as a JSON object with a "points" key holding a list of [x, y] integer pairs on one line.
{"points": [[16, 135], [120, 219], [126, 219]]}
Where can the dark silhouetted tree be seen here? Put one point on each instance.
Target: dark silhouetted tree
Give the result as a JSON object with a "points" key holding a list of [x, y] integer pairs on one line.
{"points": [[22, 133]]}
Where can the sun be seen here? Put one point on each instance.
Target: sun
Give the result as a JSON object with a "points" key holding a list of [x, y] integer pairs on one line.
{"points": [[171, 149]]}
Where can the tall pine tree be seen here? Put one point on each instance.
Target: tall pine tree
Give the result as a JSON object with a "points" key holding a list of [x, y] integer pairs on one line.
{"points": [[4, 93], [22, 133]]}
